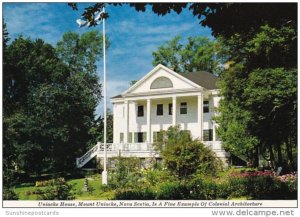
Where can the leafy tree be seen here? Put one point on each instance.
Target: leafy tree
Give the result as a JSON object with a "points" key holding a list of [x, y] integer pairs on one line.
{"points": [[5, 35], [97, 129], [81, 52], [199, 53], [271, 96], [49, 103], [184, 156], [256, 79]]}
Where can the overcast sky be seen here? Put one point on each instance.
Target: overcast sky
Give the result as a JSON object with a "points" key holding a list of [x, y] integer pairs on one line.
{"points": [[133, 35]]}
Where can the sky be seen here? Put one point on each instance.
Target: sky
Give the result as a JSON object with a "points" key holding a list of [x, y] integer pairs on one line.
{"points": [[133, 35]]}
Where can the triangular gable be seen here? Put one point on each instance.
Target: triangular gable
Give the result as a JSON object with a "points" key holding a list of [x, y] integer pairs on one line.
{"points": [[179, 82]]}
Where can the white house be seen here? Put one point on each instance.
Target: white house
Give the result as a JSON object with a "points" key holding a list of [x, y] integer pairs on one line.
{"points": [[162, 98]]}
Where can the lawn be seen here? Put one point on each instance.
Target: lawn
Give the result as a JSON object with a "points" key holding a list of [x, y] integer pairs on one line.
{"points": [[95, 192]]}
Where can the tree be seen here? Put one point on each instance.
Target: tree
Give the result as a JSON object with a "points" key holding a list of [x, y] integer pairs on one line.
{"points": [[50, 98], [184, 156], [271, 96], [199, 53], [256, 114], [97, 129], [80, 52]]}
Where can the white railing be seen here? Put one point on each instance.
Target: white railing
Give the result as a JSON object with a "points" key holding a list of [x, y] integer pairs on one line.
{"points": [[113, 149], [128, 149]]}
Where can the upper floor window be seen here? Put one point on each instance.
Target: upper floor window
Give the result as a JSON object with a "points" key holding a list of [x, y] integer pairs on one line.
{"points": [[183, 108], [140, 112], [205, 106], [161, 82], [170, 109], [160, 109]]}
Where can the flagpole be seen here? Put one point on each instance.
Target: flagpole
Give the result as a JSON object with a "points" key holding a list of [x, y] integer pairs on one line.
{"points": [[104, 173]]}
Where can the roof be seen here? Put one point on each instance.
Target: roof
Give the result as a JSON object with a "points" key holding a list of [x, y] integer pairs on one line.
{"points": [[202, 78], [117, 96]]}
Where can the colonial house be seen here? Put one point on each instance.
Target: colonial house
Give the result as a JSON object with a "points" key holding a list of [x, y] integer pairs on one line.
{"points": [[160, 99]]}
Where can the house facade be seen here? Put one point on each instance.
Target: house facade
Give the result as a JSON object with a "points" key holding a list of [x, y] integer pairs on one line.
{"points": [[164, 98]]}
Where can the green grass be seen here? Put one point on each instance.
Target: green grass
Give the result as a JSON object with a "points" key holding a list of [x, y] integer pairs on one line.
{"points": [[96, 191]]}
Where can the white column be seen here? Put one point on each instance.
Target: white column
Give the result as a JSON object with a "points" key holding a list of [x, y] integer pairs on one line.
{"points": [[200, 114], [148, 120], [174, 106], [126, 110]]}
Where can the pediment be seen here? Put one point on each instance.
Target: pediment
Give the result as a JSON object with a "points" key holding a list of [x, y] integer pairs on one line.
{"points": [[162, 79]]}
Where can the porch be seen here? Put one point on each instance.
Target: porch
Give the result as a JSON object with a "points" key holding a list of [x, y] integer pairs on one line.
{"points": [[139, 150]]}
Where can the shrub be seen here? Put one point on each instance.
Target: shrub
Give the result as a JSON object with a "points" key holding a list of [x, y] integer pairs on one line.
{"points": [[57, 189], [135, 194], [259, 185], [125, 174], [9, 194], [234, 187], [200, 189], [154, 177], [172, 191], [184, 156]]}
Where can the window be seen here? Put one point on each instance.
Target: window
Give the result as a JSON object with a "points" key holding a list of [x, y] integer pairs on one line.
{"points": [[170, 109], [205, 106], [130, 137], [208, 135], [183, 108], [140, 137], [157, 136], [160, 109], [140, 112], [121, 137], [161, 82]]}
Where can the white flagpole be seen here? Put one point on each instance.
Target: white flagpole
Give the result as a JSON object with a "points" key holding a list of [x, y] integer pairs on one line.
{"points": [[104, 173]]}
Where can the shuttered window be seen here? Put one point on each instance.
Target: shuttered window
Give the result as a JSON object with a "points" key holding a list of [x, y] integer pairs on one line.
{"points": [[130, 137], [208, 135], [121, 137]]}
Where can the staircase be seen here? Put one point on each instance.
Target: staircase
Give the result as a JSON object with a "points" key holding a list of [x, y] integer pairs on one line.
{"points": [[142, 150]]}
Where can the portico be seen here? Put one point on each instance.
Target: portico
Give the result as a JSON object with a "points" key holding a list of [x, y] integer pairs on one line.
{"points": [[149, 114]]}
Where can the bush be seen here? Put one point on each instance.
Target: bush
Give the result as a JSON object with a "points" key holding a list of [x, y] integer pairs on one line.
{"points": [[125, 174], [235, 187], [9, 194], [260, 185], [137, 194], [172, 191], [184, 156], [202, 189], [57, 189]]}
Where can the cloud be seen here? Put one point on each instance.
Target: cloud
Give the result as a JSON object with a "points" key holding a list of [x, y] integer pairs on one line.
{"points": [[31, 20], [133, 36]]}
